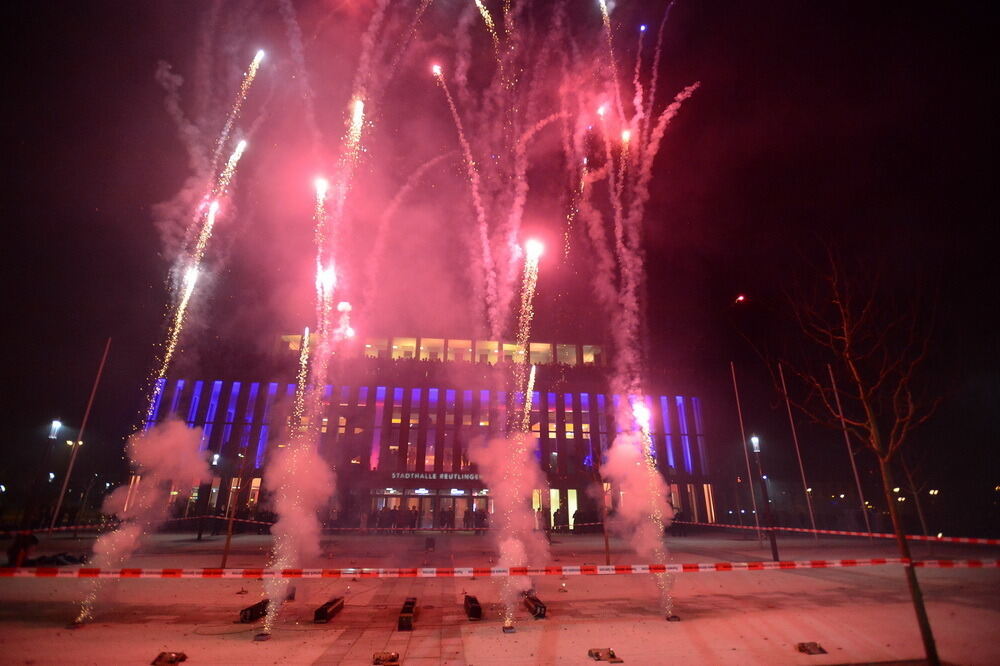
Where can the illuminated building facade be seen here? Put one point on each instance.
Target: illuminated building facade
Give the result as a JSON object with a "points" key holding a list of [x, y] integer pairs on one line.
{"points": [[399, 423]]}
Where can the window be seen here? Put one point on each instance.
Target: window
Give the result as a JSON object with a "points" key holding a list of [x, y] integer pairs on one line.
{"points": [[592, 355], [292, 342], [460, 350], [377, 348], [432, 349], [487, 352], [566, 354], [404, 347], [540, 352], [510, 352]]}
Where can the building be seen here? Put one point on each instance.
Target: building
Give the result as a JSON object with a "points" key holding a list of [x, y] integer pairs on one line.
{"points": [[401, 415]]}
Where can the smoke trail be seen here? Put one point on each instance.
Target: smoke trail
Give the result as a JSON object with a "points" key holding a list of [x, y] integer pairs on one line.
{"points": [[294, 33], [188, 132], [512, 229], [486, 257], [382, 229], [637, 103], [612, 65], [655, 67], [369, 41], [167, 456]]}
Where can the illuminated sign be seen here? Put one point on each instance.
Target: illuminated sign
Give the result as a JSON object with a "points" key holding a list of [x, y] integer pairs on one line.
{"points": [[436, 476]]}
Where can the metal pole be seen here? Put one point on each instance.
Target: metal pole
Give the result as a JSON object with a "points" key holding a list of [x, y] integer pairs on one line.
{"points": [[743, 434], [79, 439], [767, 508], [798, 454], [850, 451], [231, 510]]}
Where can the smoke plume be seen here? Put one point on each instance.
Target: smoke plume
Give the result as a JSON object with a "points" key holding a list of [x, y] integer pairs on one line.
{"points": [[165, 457]]}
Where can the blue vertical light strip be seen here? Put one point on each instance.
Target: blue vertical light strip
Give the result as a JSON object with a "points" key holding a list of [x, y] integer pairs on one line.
{"points": [[465, 430], [685, 439], [484, 409], [195, 401], [363, 395], [373, 457], [448, 441], [159, 387], [430, 447], [585, 436], [411, 430], [501, 423], [667, 430], [265, 424], [602, 424], [175, 401], [616, 401], [213, 407], [227, 428], [699, 434], [248, 415]]}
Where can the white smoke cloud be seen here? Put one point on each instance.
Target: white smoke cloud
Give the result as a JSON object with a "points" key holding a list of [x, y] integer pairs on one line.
{"points": [[508, 467], [167, 456]]}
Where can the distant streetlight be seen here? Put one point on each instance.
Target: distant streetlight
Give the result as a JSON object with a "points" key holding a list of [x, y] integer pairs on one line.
{"points": [[54, 429], [769, 522]]}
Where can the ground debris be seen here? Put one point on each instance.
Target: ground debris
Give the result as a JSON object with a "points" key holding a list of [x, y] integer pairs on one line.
{"points": [[604, 654], [810, 648]]}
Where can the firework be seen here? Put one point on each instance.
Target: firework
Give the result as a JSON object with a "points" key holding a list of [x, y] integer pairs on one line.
{"points": [[490, 25], [529, 392], [532, 252], [352, 142], [298, 407], [234, 111], [226, 177]]}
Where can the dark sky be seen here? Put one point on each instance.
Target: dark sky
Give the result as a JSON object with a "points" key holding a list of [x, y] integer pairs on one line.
{"points": [[867, 125]]}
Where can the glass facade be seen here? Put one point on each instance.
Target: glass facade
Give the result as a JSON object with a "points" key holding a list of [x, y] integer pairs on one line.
{"points": [[419, 437], [430, 429]]}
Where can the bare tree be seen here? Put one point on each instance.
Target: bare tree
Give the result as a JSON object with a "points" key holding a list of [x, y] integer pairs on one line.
{"points": [[876, 342]]}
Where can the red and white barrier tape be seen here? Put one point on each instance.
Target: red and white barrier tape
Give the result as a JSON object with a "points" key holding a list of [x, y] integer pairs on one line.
{"points": [[484, 572], [877, 535]]}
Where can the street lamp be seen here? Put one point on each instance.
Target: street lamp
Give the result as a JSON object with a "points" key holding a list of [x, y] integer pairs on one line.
{"points": [[54, 429], [755, 447]]}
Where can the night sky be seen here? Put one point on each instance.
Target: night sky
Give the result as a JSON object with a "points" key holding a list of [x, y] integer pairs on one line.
{"points": [[864, 126]]}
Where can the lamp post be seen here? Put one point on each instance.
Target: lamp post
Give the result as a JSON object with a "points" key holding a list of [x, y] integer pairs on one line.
{"points": [[79, 436], [29, 512], [769, 522]]}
